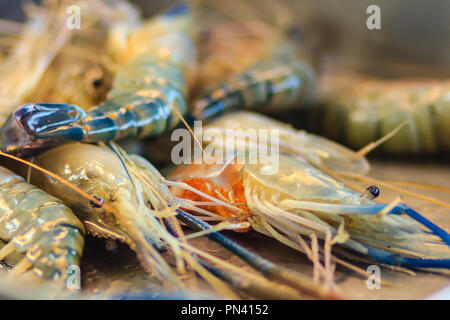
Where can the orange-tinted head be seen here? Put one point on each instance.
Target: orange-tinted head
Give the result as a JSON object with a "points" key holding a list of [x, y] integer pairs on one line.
{"points": [[223, 182]]}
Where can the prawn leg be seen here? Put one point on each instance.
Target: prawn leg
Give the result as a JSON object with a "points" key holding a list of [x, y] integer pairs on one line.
{"points": [[267, 268], [389, 258], [375, 209]]}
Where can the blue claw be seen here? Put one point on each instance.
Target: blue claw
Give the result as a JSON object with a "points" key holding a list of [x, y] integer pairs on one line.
{"points": [[50, 120], [267, 268]]}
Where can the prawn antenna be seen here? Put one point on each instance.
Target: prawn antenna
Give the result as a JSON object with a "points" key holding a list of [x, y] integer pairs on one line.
{"points": [[83, 193], [114, 148], [365, 150], [180, 116], [418, 185], [394, 187]]}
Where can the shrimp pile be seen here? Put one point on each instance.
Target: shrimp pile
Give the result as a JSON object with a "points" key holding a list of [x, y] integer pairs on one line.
{"points": [[124, 78], [114, 195]]}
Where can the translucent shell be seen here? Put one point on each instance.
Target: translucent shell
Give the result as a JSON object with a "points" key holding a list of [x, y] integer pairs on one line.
{"points": [[300, 181], [320, 152]]}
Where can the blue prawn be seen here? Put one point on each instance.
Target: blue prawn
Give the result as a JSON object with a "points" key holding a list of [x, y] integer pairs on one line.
{"points": [[148, 95]]}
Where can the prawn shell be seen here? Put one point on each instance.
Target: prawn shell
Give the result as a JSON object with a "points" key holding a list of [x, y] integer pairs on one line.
{"points": [[298, 180], [296, 143], [359, 111], [40, 226]]}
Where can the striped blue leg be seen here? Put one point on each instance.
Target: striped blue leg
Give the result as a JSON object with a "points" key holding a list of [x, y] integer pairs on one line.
{"points": [[441, 233], [267, 268], [250, 286]]}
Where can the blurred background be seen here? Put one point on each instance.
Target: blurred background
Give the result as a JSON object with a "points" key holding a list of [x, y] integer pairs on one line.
{"points": [[414, 39]]}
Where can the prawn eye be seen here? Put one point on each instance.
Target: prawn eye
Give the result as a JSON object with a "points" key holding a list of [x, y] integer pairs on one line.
{"points": [[97, 204], [97, 83], [374, 191]]}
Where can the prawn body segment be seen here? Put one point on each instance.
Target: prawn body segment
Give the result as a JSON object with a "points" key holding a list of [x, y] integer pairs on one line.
{"points": [[358, 111], [274, 85], [40, 226]]}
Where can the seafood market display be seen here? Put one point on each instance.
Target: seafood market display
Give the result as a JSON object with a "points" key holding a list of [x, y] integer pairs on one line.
{"points": [[74, 96]]}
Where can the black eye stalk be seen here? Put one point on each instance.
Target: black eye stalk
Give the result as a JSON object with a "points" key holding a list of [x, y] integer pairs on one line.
{"points": [[97, 204], [373, 192]]}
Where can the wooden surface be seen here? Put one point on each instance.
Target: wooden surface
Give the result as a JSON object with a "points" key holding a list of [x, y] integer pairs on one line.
{"points": [[108, 273]]}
